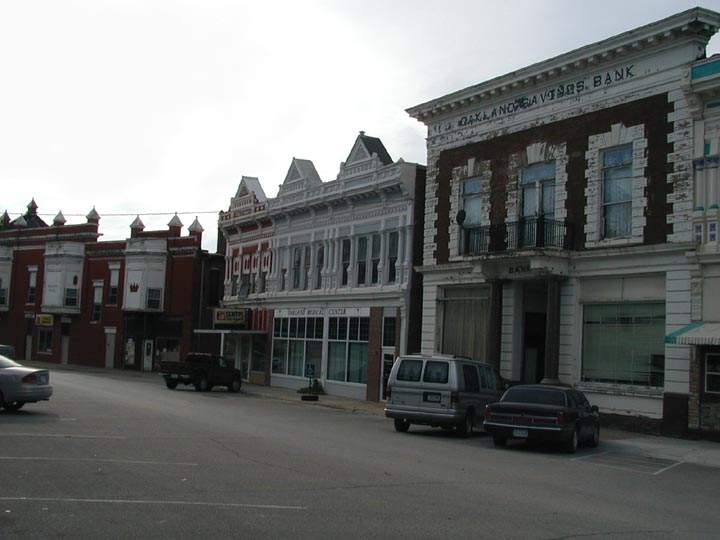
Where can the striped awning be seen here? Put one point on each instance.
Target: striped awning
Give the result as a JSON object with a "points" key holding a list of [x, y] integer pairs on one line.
{"points": [[698, 333]]}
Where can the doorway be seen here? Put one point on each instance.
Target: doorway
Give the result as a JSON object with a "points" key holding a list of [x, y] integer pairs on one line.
{"points": [[534, 348]]}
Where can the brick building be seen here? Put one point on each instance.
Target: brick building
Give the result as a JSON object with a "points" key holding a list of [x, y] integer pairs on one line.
{"points": [[559, 219], [67, 298]]}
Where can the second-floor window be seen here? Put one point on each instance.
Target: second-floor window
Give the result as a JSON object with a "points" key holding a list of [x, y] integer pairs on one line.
{"points": [[617, 192], [113, 291], [345, 261], [392, 257], [97, 303], [472, 202], [361, 263], [368, 259], [537, 183], [71, 297], [319, 261], [153, 298], [32, 286]]}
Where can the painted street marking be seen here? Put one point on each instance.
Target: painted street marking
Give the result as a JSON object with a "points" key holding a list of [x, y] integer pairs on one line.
{"points": [[173, 503], [95, 460], [63, 436], [630, 462]]}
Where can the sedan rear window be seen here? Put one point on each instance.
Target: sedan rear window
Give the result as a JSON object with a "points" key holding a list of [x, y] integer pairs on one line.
{"points": [[436, 372], [535, 395], [409, 370], [7, 363]]}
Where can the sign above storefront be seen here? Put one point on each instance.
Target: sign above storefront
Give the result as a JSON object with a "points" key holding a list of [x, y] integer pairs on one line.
{"points": [[44, 319], [323, 311], [236, 317]]}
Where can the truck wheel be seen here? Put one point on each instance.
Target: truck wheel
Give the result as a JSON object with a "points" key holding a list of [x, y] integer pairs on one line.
{"points": [[202, 384], [171, 383], [234, 386]]}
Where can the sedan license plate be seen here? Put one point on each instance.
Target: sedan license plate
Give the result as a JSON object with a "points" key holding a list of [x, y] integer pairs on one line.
{"points": [[520, 433], [432, 397]]}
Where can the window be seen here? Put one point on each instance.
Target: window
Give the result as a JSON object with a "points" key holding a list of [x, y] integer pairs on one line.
{"points": [[472, 202], [296, 266], [392, 256], [296, 342], [436, 372], [389, 331], [712, 373], [113, 291], [409, 370], [361, 264], [71, 297], [32, 284], [465, 319], [348, 349], [3, 294], [472, 381], [306, 268], [320, 260], [153, 298], [537, 183], [45, 340], [624, 343], [345, 261], [97, 303], [375, 258], [617, 192]]}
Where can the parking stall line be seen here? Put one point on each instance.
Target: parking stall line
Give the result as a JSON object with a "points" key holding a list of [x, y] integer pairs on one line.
{"points": [[160, 503], [64, 436], [97, 460]]}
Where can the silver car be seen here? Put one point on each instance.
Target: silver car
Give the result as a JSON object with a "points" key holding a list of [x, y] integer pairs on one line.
{"points": [[20, 385]]}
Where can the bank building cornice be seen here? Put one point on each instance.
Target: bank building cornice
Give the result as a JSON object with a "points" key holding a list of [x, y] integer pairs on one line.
{"points": [[694, 25]]}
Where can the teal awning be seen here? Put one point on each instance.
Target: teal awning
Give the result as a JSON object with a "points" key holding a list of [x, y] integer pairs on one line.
{"points": [[697, 333]]}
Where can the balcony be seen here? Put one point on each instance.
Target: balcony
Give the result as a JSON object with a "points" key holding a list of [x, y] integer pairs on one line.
{"points": [[528, 233]]}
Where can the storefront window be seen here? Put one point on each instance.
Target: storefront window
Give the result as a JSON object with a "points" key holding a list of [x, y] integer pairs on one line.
{"points": [[712, 373], [624, 343], [348, 352], [303, 346]]}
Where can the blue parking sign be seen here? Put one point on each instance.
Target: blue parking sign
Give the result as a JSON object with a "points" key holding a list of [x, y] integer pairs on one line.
{"points": [[310, 371]]}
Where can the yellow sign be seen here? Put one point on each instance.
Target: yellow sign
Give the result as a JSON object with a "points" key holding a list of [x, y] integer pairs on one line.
{"points": [[44, 319]]}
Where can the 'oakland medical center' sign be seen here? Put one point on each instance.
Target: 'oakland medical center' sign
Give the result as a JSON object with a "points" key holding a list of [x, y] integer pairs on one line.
{"points": [[544, 97]]}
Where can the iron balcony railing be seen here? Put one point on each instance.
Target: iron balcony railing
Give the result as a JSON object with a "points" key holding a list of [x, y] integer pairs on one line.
{"points": [[527, 233]]}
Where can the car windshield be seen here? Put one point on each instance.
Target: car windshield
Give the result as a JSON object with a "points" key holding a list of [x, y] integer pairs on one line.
{"points": [[535, 395], [7, 363]]}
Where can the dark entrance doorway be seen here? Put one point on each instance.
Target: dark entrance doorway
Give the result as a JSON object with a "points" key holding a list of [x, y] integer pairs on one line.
{"points": [[534, 348]]}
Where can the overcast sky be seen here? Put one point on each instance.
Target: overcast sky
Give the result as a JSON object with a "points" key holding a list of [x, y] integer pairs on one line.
{"points": [[161, 106]]}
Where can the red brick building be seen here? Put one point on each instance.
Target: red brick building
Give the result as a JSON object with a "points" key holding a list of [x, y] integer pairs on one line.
{"points": [[67, 298]]}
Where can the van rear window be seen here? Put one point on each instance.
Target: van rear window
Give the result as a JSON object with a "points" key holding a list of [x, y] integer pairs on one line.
{"points": [[409, 370], [436, 372]]}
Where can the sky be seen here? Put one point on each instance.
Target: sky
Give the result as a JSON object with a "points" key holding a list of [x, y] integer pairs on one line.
{"points": [[151, 107]]}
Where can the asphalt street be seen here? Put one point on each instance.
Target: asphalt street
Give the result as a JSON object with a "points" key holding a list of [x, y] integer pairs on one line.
{"points": [[116, 455]]}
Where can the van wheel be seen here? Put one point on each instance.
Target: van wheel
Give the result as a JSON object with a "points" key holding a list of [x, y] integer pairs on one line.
{"points": [[466, 428], [402, 425]]}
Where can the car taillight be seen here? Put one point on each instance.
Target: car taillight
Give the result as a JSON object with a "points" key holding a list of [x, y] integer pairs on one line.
{"points": [[454, 397], [561, 419], [31, 378], [487, 412], [388, 392]]}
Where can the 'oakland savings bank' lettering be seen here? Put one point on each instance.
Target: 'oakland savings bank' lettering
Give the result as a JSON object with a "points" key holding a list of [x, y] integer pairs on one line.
{"points": [[547, 96]]}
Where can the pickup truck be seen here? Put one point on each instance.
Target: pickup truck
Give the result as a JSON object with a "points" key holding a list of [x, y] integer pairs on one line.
{"points": [[201, 370]]}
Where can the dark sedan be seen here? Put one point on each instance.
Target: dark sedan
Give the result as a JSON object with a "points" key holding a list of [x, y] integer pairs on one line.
{"points": [[20, 385], [543, 413]]}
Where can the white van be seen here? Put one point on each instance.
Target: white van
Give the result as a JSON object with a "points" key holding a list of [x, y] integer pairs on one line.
{"points": [[441, 391]]}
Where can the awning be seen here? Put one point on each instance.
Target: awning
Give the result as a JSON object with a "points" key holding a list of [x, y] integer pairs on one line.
{"points": [[698, 333]]}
